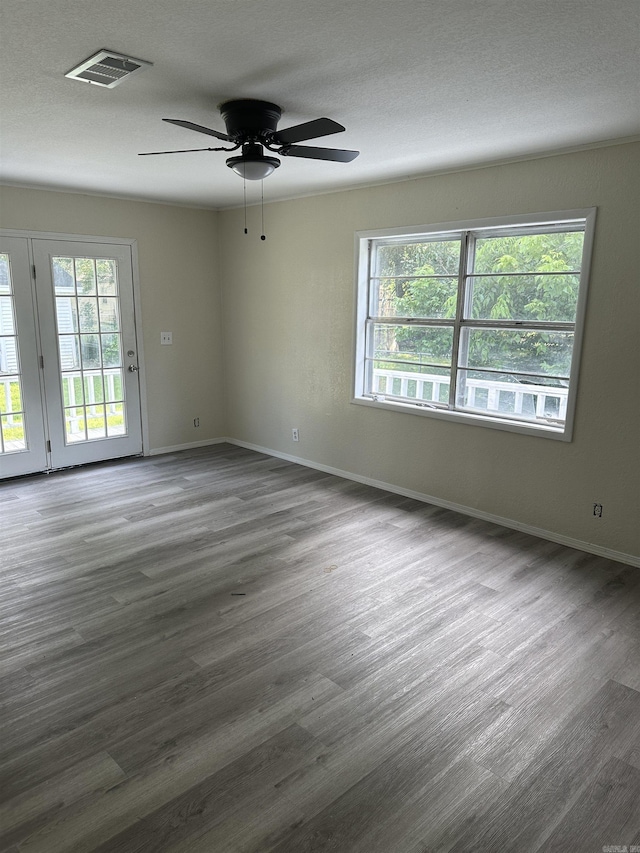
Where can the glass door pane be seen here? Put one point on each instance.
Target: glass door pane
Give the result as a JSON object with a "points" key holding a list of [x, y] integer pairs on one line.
{"points": [[22, 440], [90, 347], [12, 416]]}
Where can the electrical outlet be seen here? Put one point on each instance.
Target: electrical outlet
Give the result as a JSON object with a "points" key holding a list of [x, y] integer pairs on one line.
{"points": [[196, 422], [295, 434], [597, 510]]}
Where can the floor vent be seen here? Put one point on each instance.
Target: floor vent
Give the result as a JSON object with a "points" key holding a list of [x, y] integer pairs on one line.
{"points": [[107, 68]]}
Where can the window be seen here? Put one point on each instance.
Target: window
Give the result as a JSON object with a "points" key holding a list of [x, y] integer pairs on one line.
{"points": [[480, 321]]}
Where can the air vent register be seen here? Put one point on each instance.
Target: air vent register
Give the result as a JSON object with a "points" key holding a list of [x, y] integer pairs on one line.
{"points": [[107, 68]]}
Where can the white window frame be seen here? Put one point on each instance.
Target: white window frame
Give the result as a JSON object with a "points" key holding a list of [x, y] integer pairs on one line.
{"points": [[582, 219]]}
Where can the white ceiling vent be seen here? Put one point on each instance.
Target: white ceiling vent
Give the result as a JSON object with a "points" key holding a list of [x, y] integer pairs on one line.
{"points": [[107, 68]]}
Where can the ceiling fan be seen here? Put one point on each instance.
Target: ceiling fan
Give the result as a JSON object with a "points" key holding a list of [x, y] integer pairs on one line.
{"points": [[252, 126]]}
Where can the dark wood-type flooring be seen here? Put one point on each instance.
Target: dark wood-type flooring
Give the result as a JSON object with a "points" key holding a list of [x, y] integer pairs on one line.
{"points": [[217, 651]]}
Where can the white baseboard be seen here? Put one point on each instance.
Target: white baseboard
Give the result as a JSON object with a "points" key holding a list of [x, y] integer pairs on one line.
{"points": [[158, 451], [589, 547]]}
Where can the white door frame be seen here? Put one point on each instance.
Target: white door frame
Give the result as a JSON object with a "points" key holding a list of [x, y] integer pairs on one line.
{"points": [[122, 241]]}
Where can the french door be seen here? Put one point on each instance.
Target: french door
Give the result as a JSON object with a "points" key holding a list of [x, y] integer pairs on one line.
{"points": [[69, 389]]}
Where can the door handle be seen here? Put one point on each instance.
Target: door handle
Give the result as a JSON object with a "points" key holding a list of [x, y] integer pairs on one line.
{"points": [[133, 368]]}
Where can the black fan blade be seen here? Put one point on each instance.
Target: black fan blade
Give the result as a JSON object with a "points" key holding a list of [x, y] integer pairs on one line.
{"points": [[308, 130], [339, 155], [181, 151], [197, 127]]}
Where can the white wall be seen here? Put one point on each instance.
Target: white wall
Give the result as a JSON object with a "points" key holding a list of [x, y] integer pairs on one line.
{"points": [[178, 262], [289, 320]]}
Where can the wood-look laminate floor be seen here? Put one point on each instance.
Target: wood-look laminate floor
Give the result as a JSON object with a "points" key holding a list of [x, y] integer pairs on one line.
{"points": [[217, 651]]}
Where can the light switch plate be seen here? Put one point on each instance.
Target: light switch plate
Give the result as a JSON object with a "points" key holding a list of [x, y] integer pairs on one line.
{"points": [[166, 338]]}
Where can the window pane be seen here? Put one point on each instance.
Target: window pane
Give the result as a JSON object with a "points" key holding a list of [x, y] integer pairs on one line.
{"points": [[69, 352], [63, 278], [67, 314], [74, 424], [418, 258], [557, 252], [111, 356], [88, 314], [107, 283], [512, 395], [72, 393], [524, 297], [7, 325], [85, 275], [8, 356], [13, 433], [96, 422], [510, 350], [431, 298], [90, 347], [417, 344], [423, 384], [90, 351], [113, 386], [10, 396], [93, 386], [5, 283], [108, 315], [115, 419]]}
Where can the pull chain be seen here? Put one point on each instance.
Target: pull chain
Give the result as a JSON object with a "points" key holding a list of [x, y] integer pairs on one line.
{"points": [[262, 236], [244, 182]]}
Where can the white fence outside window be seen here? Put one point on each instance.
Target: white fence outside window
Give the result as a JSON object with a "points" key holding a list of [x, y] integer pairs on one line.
{"points": [[482, 395]]}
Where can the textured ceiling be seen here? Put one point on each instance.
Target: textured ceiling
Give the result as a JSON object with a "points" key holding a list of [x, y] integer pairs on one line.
{"points": [[421, 86]]}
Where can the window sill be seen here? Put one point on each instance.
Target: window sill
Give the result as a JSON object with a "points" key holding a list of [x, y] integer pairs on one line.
{"points": [[470, 418]]}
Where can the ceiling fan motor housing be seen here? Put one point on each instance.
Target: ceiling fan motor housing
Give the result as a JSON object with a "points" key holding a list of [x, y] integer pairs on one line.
{"points": [[248, 119]]}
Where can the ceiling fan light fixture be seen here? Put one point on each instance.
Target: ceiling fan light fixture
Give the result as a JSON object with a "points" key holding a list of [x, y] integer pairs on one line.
{"points": [[253, 167]]}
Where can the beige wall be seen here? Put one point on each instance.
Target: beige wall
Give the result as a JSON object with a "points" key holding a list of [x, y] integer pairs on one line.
{"points": [[289, 322], [178, 264]]}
